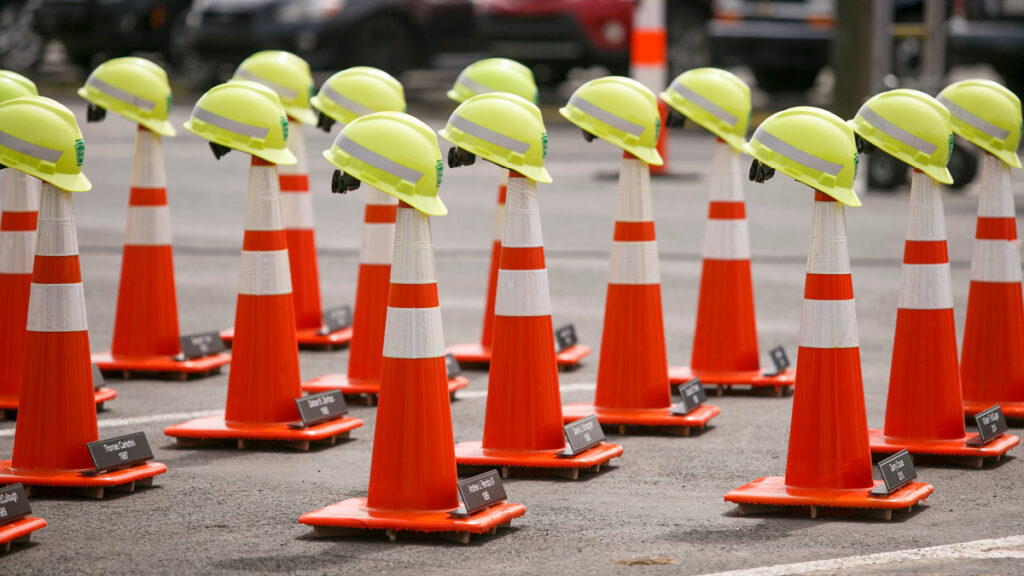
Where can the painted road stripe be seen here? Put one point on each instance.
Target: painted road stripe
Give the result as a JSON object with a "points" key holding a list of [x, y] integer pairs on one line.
{"points": [[118, 422]]}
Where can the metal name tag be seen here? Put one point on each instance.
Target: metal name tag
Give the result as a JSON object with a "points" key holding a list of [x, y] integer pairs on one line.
{"points": [[200, 345], [692, 394], [317, 408], [897, 471], [119, 452], [581, 435], [479, 492]]}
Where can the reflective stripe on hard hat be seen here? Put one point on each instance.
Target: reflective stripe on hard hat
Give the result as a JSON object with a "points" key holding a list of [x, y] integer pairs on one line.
{"points": [[284, 91], [487, 135], [345, 102], [795, 154], [605, 116], [360, 152], [29, 149], [473, 85], [896, 133], [973, 120], [707, 105], [228, 124], [122, 95]]}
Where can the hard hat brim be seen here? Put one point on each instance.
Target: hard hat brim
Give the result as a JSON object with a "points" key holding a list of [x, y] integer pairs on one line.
{"points": [[940, 175], [161, 127], [648, 156], [845, 196], [70, 182], [283, 157], [453, 95], [302, 114], [1010, 157]]}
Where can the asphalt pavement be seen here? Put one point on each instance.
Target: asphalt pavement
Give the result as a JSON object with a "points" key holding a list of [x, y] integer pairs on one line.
{"points": [[658, 510]]}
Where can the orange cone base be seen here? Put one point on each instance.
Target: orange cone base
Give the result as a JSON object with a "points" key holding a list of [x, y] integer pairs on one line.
{"points": [[473, 454], [772, 491], [309, 338], [148, 366], [10, 401], [652, 417], [75, 478], [329, 382], [1013, 411], [880, 444], [354, 515], [476, 354], [784, 380], [216, 428], [20, 530]]}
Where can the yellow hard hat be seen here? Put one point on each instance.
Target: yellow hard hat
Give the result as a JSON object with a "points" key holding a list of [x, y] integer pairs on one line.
{"points": [[245, 116], [987, 114], [716, 99], [40, 137], [286, 74], [503, 128], [494, 75], [393, 152], [910, 126], [356, 92], [620, 110], [134, 88], [14, 85], [810, 145]]}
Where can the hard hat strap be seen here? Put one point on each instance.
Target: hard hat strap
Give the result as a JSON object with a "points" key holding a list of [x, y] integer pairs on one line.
{"points": [[122, 95], [631, 128], [795, 154], [492, 137], [283, 91], [703, 103], [896, 133], [346, 102], [228, 124], [371, 158], [29, 149], [977, 122]]}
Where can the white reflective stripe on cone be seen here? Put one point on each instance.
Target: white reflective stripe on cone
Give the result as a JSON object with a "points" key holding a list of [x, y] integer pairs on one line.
{"points": [[148, 170], [828, 324], [297, 210], [634, 263], [996, 199], [264, 273], [522, 215], [375, 197], [57, 235], [996, 261], [925, 220], [20, 191], [634, 194], [378, 244], [413, 333], [522, 293], [653, 76], [828, 252], [57, 308], [726, 185], [726, 240], [414, 255], [17, 251], [148, 226], [297, 144], [263, 206], [925, 287]]}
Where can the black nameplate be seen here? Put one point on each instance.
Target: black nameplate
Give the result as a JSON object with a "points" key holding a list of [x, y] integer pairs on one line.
{"points": [[119, 452], [480, 492], [97, 377], [200, 345], [317, 408], [335, 319], [897, 471], [692, 394], [565, 338], [779, 359], [452, 366], [991, 425], [13, 504], [582, 435]]}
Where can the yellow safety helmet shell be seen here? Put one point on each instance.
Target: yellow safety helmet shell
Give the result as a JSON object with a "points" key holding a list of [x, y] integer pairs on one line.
{"points": [[494, 75], [134, 88], [714, 98], [987, 114], [910, 126], [621, 111], [503, 128], [40, 137], [245, 116], [359, 91], [812, 146], [14, 85], [286, 74], [395, 153]]}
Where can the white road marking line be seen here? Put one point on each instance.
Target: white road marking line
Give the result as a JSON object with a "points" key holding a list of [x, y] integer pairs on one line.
{"points": [[579, 387], [118, 422], [977, 550]]}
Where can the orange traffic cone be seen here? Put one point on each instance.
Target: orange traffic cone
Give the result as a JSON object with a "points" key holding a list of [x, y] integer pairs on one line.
{"points": [[829, 464], [146, 338], [413, 483], [297, 214], [264, 379], [523, 426], [725, 341], [56, 413], [368, 318], [992, 361], [632, 375], [19, 531], [648, 63], [479, 353], [924, 413]]}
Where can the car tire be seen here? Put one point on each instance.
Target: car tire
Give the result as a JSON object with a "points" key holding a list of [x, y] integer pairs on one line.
{"points": [[385, 42], [963, 166], [21, 46], [885, 173], [776, 80], [688, 43]]}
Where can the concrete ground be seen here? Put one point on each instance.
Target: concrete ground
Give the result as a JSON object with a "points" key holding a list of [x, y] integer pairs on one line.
{"points": [[659, 510]]}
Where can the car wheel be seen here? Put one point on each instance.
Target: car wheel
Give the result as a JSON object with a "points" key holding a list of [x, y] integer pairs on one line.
{"points": [[963, 166], [776, 80], [688, 44], [21, 47], [885, 172], [384, 42]]}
